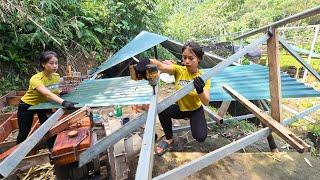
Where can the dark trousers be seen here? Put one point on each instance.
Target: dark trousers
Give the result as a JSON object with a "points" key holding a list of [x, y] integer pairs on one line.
{"points": [[25, 118], [198, 122]]}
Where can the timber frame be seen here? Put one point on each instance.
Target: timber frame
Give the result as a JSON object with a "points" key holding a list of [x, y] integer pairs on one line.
{"points": [[146, 155], [144, 170]]}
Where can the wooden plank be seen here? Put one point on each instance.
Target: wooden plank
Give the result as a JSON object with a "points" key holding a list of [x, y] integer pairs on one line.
{"points": [[20, 93], [5, 116], [280, 130], [106, 142], [5, 129], [11, 162], [8, 152], [287, 47], [212, 115], [223, 109], [274, 75], [67, 121], [34, 127], [13, 100], [3, 99], [145, 164], [7, 145], [296, 17]]}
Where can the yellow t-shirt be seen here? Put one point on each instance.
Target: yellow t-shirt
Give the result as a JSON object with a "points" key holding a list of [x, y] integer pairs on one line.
{"points": [[32, 96], [191, 101]]}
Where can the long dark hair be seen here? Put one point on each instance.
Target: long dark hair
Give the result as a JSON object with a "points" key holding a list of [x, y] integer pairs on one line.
{"points": [[46, 56], [195, 48]]}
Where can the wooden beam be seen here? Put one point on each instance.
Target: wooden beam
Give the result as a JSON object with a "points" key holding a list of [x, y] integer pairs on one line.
{"points": [[3, 99], [106, 142], [212, 115], [13, 100], [279, 129], [307, 66], [11, 162], [145, 164], [296, 17], [223, 109], [67, 121], [274, 75], [6, 128]]}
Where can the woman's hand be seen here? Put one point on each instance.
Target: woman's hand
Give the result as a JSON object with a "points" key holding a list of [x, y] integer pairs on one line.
{"points": [[198, 84], [203, 94], [68, 104]]}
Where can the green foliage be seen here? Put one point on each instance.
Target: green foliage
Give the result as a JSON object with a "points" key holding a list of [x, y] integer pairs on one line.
{"points": [[245, 61], [220, 19], [314, 128], [92, 28], [243, 125], [11, 82]]}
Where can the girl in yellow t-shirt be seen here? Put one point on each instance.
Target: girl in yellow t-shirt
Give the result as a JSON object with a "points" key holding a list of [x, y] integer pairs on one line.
{"points": [[43, 86], [190, 106]]}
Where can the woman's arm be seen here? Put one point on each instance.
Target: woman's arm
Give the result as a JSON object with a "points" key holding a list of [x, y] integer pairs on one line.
{"points": [[46, 92], [167, 68], [205, 97]]}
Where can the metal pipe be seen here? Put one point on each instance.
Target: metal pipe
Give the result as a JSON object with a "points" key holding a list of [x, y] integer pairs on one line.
{"points": [[9, 164], [296, 17], [145, 164]]}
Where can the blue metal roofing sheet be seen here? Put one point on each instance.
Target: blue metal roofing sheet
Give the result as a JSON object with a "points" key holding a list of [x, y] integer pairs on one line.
{"points": [[142, 42], [107, 92], [252, 81]]}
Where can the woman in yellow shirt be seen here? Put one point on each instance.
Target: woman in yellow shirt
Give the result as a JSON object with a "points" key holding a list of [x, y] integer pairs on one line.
{"points": [[190, 106], [43, 86]]}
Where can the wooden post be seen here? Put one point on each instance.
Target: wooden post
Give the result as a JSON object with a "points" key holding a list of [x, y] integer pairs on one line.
{"points": [[274, 74]]}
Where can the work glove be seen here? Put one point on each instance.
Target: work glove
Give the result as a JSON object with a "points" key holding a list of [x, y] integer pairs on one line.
{"points": [[142, 66], [68, 105], [198, 84]]}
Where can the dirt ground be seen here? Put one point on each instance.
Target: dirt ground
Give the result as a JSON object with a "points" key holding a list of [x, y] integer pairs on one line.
{"points": [[253, 162], [255, 166]]}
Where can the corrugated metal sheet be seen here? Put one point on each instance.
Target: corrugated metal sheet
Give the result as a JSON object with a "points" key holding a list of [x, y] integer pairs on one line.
{"points": [[146, 40], [142, 42], [107, 92], [252, 82]]}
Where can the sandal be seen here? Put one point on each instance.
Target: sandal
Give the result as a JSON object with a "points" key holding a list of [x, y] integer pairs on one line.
{"points": [[165, 146]]}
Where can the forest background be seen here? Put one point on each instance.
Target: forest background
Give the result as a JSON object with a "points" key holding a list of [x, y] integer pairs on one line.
{"points": [[90, 31]]}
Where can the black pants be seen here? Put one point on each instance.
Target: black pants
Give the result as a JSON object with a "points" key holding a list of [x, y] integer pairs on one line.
{"points": [[198, 122], [25, 118]]}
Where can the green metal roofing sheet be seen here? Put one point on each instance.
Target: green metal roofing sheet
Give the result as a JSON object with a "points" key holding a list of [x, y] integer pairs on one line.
{"points": [[106, 92], [142, 42], [252, 81]]}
